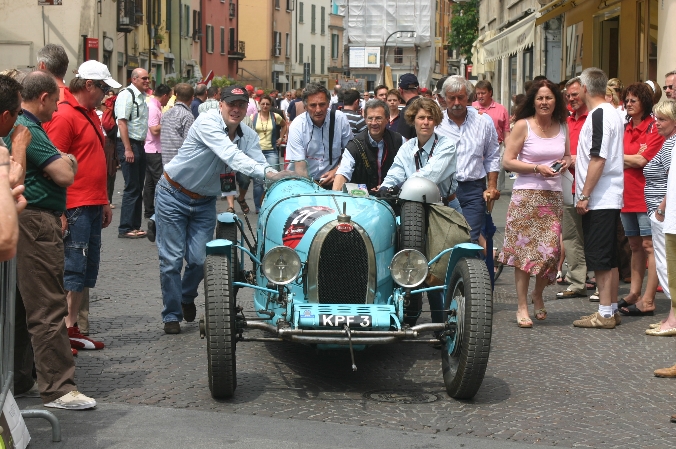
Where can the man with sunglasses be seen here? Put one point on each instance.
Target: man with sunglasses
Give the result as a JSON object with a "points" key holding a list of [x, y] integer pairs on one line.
{"points": [[76, 130], [669, 81], [185, 199], [131, 112]]}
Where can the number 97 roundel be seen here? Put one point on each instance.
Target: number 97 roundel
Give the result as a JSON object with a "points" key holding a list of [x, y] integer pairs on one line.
{"points": [[300, 221]]}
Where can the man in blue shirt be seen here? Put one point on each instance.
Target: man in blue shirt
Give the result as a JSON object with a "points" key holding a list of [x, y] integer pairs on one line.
{"points": [[309, 136], [185, 198], [200, 97]]}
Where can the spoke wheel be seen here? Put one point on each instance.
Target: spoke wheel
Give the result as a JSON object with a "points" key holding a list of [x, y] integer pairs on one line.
{"points": [[219, 305], [412, 236], [465, 355]]}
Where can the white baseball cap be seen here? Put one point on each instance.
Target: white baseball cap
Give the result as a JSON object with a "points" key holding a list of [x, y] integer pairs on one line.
{"points": [[94, 70]]}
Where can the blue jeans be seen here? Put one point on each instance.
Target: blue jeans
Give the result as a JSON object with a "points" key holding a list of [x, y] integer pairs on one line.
{"points": [[471, 197], [82, 247], [243, 180], [134, 177], [183, 228]]}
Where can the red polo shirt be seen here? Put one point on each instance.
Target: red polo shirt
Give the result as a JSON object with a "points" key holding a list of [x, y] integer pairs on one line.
{"points": [[73, 133], [574, 127], [634, 181]]}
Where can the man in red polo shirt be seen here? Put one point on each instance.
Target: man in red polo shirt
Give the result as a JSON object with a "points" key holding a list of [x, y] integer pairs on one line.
{"points": [[498, 113], [76, 129], [572, 221]]}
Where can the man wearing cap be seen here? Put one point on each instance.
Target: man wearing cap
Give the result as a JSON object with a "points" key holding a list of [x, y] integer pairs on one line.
{"points": [[185, 199], [252, 107], [309, 136], [75, 129], [408, 88], [131, 112]]}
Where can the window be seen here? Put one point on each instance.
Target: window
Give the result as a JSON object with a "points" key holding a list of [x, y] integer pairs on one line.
{"points": [[289, 5], [322, 56], [210, 39], [185, 21], [287, 46], [167, 25], [313, 19], [300, 12], [233, 40], [197, 26], [276, 43], [334, 46], [398, 55], [312, 59], [322, 20], [222, 40], [277, 4], [300, 53]]}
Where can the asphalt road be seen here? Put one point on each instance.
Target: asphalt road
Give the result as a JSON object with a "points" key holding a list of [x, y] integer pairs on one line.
{"points": [[551, 385]]}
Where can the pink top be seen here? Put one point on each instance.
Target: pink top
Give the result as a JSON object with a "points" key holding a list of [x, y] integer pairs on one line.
{"points": [[542, 151], [498, 114], [154, 116]]}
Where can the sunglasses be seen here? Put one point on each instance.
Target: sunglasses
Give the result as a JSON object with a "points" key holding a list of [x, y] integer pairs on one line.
{"points": [[668, 87], [19, 112], [103, 86]]}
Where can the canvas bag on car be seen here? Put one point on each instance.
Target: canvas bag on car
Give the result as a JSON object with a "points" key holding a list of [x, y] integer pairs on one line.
{"points": [[446, 227]]}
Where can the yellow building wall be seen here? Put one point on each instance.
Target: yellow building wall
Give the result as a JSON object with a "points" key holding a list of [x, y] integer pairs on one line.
{"points": [[254, 22]]}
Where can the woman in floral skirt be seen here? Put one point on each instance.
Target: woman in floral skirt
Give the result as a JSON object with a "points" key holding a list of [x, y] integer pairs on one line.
{"points": [[532, 233]]}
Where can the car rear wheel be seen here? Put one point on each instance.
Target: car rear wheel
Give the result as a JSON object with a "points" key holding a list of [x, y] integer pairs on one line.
{"points": [[228, 231], [219, 305], [412, 236], [465, 355]]}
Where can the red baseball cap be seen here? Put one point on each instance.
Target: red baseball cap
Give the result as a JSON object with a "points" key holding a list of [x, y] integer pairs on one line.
{"points": [[260, 92], [249, 87], [423, 90]]}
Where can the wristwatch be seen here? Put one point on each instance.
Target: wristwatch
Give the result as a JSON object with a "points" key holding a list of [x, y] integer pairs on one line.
{"points": [[660, 212], [584, 197]]}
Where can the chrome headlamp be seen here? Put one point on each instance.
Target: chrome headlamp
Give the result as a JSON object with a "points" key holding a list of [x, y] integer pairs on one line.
{"points": [[281, 265], [409, 268]]}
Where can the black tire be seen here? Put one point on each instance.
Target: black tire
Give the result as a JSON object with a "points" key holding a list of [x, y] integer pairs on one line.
{"points": [[228, 231], [219, 305], [464, 368], [412, 236]]}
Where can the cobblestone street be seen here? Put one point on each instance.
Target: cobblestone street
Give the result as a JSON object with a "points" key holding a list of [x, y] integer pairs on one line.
{"points": [[553, 384]]}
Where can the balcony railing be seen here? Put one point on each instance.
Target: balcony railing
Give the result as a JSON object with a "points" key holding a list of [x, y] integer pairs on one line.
{"points": [[239, 52]]}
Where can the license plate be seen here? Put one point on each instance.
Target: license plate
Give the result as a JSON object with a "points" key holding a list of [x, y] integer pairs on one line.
{"points": [[341, 320]]}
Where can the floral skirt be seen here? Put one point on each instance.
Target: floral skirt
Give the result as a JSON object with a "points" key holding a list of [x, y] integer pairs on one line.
{"points": [[533, 232]]}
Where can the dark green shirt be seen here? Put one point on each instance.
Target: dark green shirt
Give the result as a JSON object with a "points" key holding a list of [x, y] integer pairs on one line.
{"points": [[40, 191]]}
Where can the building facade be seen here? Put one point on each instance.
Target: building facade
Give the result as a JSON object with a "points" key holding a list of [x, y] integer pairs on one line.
{"points": [[443, 54], [311, 43], [220, 46]]}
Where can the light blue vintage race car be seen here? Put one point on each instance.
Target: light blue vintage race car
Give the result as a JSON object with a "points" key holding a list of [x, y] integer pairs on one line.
{"points": [[343, 270]]}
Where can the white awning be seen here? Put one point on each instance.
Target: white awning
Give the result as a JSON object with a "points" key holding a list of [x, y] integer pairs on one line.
{"points": [[511, 41], [283, 79]]}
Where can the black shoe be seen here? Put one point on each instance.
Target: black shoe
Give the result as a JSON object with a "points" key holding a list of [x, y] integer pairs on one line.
{"points": [[189, 312], [150, 233], [172, 327]]}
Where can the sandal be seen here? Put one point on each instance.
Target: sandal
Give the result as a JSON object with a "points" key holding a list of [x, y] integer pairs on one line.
{"points": [[231, 210], [140, 233], [244, 206], [541, 314], [129, 235], [524, 323]]}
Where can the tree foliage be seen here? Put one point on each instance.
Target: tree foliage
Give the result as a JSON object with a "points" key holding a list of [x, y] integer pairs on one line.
{"points": [[464, 27]]}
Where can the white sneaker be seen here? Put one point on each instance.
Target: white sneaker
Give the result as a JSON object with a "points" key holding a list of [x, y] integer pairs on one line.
{"points": [[73, 401], [34, 392]]}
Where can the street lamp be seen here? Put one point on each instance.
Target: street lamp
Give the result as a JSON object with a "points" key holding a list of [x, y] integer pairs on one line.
{"points": [[410, 34]]}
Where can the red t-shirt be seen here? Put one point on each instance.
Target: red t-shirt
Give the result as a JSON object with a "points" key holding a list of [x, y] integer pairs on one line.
{"points": [[634, 181], [574, 127], [72, 133]]}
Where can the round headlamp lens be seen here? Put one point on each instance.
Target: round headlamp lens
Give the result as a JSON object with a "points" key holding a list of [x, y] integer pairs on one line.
{"points": [[409, 268], [281, 265]]}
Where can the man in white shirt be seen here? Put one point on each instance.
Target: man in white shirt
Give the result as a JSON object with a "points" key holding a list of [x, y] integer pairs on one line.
{"points": [[599, 183]]}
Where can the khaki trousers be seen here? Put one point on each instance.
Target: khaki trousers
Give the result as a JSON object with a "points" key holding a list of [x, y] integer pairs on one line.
{"points": [[573, 243], [42, 308]]}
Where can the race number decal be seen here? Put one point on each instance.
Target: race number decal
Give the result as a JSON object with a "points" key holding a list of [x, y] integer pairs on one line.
{"points": [[300, 221]]}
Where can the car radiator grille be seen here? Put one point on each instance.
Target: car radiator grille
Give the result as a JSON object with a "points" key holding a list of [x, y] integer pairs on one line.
{"points": [[343, 269]]}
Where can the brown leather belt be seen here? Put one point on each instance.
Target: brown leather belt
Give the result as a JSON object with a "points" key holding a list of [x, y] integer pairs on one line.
{"points": [[182, 189], [449, 198]]}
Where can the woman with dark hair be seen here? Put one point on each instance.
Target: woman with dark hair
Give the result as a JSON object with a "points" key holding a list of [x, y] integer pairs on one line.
{"points": [[393, 103], [642, 142], [537, 149]]}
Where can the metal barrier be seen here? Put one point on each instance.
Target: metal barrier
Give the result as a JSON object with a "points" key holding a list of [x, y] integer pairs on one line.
{"points": [[7, 305]]}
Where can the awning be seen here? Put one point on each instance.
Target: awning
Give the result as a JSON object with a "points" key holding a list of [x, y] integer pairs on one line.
{"points": [[559, 8], [479, 63], [511, 41], [168, 55], [282, 79]]}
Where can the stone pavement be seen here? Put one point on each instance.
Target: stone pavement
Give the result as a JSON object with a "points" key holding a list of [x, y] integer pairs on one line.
{"points": [[550, 385]]}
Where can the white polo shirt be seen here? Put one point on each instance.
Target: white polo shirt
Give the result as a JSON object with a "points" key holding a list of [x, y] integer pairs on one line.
{"points": [[602, 135]]}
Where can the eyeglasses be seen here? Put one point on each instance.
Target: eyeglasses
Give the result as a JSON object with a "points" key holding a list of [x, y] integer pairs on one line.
{"points": [[631, 100], [617, 89], [103, 86], [668, 87], [375, 119], [145, 78]]}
